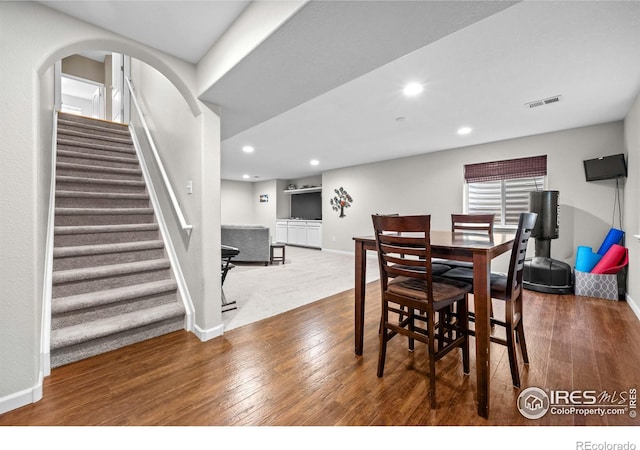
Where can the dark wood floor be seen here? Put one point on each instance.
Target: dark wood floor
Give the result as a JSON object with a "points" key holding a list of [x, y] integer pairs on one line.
{"points": [[299, 368]]}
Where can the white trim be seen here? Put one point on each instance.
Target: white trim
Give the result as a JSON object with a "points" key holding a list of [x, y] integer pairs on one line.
{"points": [[22, 398], [371, 254], [45, 326], [340, 252], [633, 305], [173, 257], [303, 190], [57, 85], [206, 335]]}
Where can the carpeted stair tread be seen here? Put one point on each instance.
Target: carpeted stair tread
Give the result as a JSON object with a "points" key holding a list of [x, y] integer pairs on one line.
{"points": [[85, 155], [103, 169], [92, 299], [75, 118], [100, 137], [91, 229], [101, 249], [96, 146], [101, 211], [81, 180], [102, 195], [75, 334], [113, 270], [98, 126]]}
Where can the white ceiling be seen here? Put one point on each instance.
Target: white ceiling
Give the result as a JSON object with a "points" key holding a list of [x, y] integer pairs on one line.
{"points": [[186, 29], [327, 84]]}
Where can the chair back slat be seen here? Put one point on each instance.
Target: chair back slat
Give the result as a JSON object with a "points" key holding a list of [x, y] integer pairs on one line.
{"points": [[400, 254], [404, 240], [477, 223], [413, 251]]}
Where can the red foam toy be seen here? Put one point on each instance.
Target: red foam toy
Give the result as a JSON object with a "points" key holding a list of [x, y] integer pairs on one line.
{"points": [[615, 259]]}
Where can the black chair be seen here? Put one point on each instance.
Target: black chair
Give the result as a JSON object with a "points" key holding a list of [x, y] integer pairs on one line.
{"points": [[227, 253], [507, 288], [412, 296]]}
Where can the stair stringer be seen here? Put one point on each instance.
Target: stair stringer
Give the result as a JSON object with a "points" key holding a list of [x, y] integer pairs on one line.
{"points": [[183, 289], [47, 287]]}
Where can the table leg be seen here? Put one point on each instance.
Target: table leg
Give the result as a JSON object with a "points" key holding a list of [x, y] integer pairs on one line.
{"points": [[482, 301], [360, 277]]}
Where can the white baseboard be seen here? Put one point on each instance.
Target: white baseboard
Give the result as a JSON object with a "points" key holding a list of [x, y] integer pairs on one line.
{"points": [[206, 335], [634, 306], [370, 254], [20, 399]]}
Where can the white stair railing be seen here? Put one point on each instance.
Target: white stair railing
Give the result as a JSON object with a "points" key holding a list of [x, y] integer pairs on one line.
{"points": [[176, 206]]}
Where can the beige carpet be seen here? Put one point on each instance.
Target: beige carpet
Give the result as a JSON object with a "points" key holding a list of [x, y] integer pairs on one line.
{"points": [[307, 276]]}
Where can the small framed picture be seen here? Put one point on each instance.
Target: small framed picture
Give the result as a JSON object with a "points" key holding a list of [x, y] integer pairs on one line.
{"points": [[264, 198]]}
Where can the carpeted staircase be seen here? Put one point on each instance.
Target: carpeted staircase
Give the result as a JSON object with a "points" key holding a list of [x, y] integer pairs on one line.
{"points": [[112, 281]]}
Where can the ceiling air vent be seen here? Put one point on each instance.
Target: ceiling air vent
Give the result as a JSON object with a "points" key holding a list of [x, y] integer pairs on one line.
{"points": [[546, 101]]}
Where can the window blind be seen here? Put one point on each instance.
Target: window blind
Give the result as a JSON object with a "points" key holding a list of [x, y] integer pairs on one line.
{"points": [[504, 198], [534, 166]]}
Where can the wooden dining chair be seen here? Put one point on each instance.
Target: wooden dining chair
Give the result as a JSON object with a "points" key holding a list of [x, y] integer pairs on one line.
{"points": [[473, 223], [412, 296], [481, 224], [477, 224], [507, 288]]}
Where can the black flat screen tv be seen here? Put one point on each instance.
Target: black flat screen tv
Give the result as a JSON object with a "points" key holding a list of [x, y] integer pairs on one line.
{"points": [[605, 167], [306, 206]]}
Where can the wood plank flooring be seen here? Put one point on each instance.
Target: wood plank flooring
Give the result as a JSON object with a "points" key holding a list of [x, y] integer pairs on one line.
{"points": [[299, 369]]}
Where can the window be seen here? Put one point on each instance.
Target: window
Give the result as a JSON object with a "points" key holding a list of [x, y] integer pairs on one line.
{"points": [[502, 187]]}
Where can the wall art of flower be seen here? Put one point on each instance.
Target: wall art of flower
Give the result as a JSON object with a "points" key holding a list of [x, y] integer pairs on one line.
{"points": [[341, 201]]}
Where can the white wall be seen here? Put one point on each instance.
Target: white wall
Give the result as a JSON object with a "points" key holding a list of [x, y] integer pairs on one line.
{"points": [[240, 201], [433, 184], [178, 137], [32, 39], [266, 212], [86, 106], [632, 208], [236, 203]]}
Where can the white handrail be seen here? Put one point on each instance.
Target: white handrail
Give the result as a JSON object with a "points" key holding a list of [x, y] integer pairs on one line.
{"points": [[165, 178]]}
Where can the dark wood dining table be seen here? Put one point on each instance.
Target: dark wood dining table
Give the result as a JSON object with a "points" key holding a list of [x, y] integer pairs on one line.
{"points": [[479, 249]]}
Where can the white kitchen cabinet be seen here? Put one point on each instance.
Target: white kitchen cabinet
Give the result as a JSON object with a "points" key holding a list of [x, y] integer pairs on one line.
{"points": [[314, 234], [299, 232], [281, 232]]}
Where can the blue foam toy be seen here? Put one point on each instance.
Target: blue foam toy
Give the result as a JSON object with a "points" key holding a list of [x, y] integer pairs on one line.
{"points": [[586, 259], [613, 237]]}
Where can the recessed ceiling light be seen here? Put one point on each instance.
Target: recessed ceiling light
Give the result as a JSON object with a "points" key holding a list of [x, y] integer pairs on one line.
{"points": [[248, 149], [245, 176], [412, 89], [464, 130], [314, 162]]}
